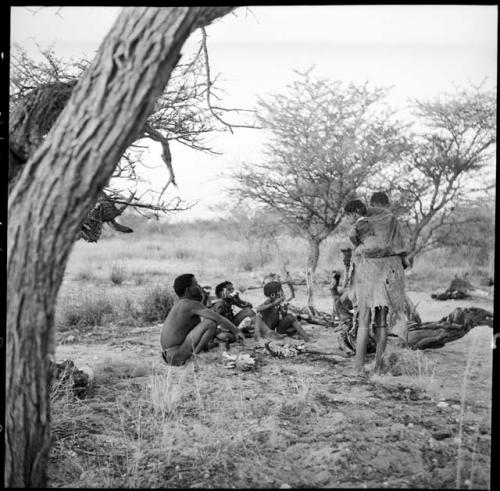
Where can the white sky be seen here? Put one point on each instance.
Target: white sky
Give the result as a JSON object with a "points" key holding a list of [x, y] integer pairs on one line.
{"points": [[419, 50]]}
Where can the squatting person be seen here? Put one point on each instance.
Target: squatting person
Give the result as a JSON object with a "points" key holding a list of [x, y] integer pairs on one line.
{"points": [[190, 326]]}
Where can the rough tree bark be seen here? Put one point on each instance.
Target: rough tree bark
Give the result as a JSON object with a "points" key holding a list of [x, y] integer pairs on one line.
{"points": [[56, 188], [313, 257]]}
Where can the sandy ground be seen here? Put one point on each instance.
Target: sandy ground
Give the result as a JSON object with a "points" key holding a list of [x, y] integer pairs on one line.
{"points": [[308, 421]]}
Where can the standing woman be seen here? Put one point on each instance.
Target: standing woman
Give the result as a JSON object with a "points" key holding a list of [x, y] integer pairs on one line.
{"points": [[376, 278]]}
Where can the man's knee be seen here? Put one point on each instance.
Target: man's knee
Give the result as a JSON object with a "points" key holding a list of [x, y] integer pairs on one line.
{"points": [[211, 327], [208, 324]]}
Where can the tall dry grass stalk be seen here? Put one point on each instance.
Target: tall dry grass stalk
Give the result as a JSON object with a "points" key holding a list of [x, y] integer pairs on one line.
{"points": [[468, 368], [117, 273], [166, 392]]}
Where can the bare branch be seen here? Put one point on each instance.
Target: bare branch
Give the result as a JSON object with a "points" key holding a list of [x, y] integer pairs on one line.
{"points": [[209, 92]]}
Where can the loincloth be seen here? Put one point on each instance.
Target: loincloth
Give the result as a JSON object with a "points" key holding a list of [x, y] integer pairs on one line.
{"points": [[378, 283], [175, 355]]}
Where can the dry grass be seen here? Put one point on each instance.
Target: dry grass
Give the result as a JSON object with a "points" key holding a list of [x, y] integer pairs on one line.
{"points": [[118, 273], [149, 425], [89, 309], [168, 427], [463, 401]]}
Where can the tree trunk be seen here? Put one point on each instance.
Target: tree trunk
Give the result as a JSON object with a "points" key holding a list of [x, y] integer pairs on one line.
{"points": [[313, 257], [491, 266], [312, 263], [310, 292], [54, 193]]}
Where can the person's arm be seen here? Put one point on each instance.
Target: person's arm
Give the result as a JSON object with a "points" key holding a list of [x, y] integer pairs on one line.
{"points": [[236, 300], [242, 304], [267, 305], [214, 316], [353, 235], [217, 307]]}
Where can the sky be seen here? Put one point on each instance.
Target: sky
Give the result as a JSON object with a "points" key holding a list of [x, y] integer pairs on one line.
{"points": [[420, 51]]}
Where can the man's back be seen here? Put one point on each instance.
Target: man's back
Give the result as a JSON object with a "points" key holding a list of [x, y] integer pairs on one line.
{"points": [[180, 320]]}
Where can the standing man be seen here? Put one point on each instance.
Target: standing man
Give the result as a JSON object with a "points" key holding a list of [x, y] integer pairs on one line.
{"points": [[190, 326]]}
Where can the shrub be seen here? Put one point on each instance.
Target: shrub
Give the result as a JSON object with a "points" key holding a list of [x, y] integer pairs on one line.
{"points": [[156, 304], [90, 310], [249, 260], [84, 275], [117, 274], [183, 254], [128, 313]]}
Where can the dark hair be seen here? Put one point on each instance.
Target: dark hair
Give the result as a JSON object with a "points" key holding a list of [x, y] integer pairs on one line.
{"points": [[379, 197], [182, 282], [220, 287], [272, 287], [355, 206]]}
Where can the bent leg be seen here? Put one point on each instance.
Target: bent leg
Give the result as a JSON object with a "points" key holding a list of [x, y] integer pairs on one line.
{"points": [[290, 325], [263, 330], [242, 314], [198, 338]]}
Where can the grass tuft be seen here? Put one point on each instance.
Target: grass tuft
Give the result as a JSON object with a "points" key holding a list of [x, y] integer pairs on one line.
{"points": [[91, 309], [156, 304], [117, 274]]}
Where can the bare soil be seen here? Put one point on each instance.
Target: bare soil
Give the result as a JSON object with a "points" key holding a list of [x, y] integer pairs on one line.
{"points": [[306, 421]]}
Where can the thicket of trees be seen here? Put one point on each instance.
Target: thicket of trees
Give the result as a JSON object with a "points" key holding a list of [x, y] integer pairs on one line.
{"points": [[327, 139], [443, 170], [330, 143]]}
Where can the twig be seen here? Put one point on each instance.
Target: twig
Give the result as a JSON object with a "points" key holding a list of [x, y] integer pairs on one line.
{"points": [[209, 92]]}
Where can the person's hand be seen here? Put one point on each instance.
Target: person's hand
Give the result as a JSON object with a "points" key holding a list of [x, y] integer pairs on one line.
{"points": [[279, 299], [241, 338]]}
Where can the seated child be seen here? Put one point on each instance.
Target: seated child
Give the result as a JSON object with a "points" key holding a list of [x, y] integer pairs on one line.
{"points": [[273, 314], [227, 298]]}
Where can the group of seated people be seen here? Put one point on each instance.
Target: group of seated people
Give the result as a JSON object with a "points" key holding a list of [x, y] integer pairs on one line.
{"points": [[196, 324]]}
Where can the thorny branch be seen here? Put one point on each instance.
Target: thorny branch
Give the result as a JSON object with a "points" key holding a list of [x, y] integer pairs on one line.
{"points": [[180, 114]]}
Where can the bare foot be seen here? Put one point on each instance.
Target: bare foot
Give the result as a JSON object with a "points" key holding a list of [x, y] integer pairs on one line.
{"points": [[275, 335], [356, 371]]}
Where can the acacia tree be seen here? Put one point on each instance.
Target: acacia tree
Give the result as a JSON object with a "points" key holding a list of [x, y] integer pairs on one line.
{"points": [[183, 113], [443, 170], [326, 139], [108, 107]]}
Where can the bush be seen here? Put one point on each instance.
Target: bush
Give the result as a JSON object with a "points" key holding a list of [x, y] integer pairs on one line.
{"points": [[183, 253], [156, 304], [84, 275], [117, 274], [90, 311], [249, 260]]}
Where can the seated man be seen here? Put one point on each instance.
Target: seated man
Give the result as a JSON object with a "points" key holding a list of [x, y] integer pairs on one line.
{"points": [[273, 314], [190, 326], [226, 299]]}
